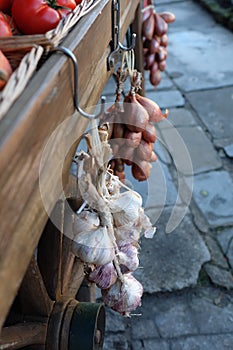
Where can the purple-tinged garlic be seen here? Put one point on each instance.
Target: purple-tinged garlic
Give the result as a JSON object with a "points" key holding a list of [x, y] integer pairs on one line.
{"points": [[103, 276], [127, 234], [86, 221], [128, 258], [124, 297], [125, 208], [94, 247]]}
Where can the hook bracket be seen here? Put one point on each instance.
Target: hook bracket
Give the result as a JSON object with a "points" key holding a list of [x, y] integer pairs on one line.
{"points": [[116, 47], [72, 57]]}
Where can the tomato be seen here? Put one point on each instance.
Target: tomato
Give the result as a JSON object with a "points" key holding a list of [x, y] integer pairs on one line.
{"points": [[5, 5], [40, 16], [5, 70], [5, 28], [78, 2]]}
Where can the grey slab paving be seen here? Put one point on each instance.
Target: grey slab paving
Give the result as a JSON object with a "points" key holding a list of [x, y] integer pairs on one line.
{"points": [[114, 321], [171, 261], [195, 51], [143, 328], [193, 312], [167, 99], [178, 117], [165, 84], [229, 150], [216, 253], [224, 237], [219, 276], [115, 342], [191, 144], [161, 188], [213, 195], [215, 110], [151, 345], [162, 152], [205, 342], [230, 254]]}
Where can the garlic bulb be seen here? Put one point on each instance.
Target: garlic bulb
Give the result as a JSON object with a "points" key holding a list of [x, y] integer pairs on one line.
{"points": [[128, 258], [86, 221], [104, 276], [127, 234], [124, 297], [94, 247], [149, 230], [125, 208]]}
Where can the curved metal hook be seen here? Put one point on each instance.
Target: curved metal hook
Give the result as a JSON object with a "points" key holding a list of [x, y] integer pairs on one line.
{"points": [[116, 46], [70, 54]]}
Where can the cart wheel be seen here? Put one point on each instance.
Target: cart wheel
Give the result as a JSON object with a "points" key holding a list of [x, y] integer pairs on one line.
{"points": [[46, 314]]}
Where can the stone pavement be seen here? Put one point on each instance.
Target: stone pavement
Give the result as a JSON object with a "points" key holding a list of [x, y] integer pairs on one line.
{"points": [[187, 268]]}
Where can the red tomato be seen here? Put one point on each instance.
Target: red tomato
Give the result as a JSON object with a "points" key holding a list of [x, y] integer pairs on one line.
{"points": [[40, 16], [5, 5], [5, 28], [78, 1], [5, 70]]}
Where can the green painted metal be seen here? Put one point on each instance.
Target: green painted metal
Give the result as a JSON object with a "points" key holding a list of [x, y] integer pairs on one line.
{"points": [[87, 327]]}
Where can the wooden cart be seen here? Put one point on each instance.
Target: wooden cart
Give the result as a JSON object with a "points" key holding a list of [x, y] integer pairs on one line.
{"points": [[39, 276]]}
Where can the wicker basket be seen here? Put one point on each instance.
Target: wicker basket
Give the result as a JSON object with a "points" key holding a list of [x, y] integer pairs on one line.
{"points": [[25, 51]]}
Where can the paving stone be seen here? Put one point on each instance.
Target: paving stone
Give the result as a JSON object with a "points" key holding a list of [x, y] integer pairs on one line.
{"points": [[151, 345], [229, 150], [191, 144], [161, 188], [178, 117], [205, 342], [114, 321], [142, 328], [162, 152], [224, 237], [219, 276], [166, 83], [221, 143], [230, 254], [217, 256], [195, 49], [171, 261], [192, 312], [213, 195], [167, 99], [214, 108], [115, 342]]}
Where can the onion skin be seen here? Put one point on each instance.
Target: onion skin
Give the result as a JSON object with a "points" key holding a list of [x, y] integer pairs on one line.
{"points": [[162, 65], [135, 114], [5, 70], [155, 78], [144, 151], [141, 170], [161, 55], [164, 40], [154, 46], [155, 114], [132, 139], [149, 60], [168, 17], [127, 154], [119, 165], [154, 157], [161, 27], [148, 27], [146, 14], [149, 134]]}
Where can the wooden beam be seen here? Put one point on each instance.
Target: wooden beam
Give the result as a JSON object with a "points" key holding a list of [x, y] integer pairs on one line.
{"points": [[46, 103]]}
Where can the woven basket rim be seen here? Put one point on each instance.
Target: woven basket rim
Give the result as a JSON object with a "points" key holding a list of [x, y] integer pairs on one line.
{"points": [[51, 38]]}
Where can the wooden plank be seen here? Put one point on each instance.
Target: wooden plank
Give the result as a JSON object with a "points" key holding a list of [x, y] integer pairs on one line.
{"points": [[28, 125], [18, 336]]}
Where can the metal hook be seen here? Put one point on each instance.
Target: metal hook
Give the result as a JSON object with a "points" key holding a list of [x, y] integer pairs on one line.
{"points": [[116, 46], [70, 54]]}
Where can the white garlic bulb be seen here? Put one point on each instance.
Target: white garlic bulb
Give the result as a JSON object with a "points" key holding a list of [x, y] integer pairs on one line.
{"points": [[127, 234], [144, 221], [94, 247], [125, 208], [104, 276], [86, 221], [128, 258], [124, 297]]}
